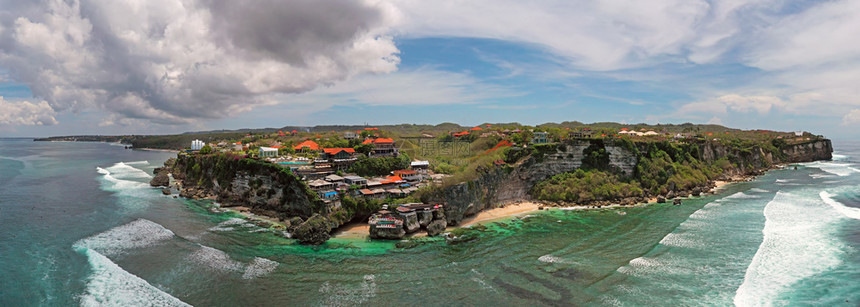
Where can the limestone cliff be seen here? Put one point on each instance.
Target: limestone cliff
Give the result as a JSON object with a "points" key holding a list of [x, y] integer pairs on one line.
{"points": [[511, 183]]}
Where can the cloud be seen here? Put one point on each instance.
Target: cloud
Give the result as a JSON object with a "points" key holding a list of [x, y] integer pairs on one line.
{"points": [[26, 113], [422, 86], [852, 118], [176, 61]]}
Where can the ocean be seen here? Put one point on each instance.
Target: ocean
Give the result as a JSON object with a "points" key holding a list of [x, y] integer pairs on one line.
{"points": [[79, 225]]}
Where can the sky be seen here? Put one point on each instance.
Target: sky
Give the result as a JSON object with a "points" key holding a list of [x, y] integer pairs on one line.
{"points": [[170, 66]]}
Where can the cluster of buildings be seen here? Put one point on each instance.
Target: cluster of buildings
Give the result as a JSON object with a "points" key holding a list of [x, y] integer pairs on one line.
{"points": [[401, 183]]}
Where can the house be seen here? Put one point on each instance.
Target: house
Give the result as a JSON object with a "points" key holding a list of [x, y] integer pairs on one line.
{"points": [[650, 133], [338, 153], [798, 133], [408, 175], [328, 195], [237, 146], [294, 132], [419, 165], [476, 129], [319, 185], [350, 135], [580, 134], [268, 152], [540, 138], [307, 145], [334, 178], [355, 180], [196, 145], [382, 147]]}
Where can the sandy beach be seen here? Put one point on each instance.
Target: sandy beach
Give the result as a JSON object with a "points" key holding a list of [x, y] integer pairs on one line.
{"points": [[498, 213]]}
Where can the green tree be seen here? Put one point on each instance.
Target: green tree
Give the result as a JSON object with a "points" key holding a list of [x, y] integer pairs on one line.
{"points": [[206, 150]]}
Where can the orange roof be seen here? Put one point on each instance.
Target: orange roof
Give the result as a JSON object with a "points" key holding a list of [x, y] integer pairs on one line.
{"points": [[476, 129], [404, 172], [392, 179], [309, 144], [461, 133], [334, 151], [276, 146], [625, 129], [709, 133], [294, 131], [368, 141], [384, 140], [488, 125], [374, 128]]}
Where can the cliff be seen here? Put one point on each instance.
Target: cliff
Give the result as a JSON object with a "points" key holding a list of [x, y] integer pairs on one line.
{"points": [[497, 186]]}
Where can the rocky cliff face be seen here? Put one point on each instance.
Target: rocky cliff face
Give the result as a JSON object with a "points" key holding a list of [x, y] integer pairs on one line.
{"points": [[513, 183], [263, 187]]}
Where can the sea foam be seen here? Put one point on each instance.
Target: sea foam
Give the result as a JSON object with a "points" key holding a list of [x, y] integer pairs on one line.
{"points": [[853, 213], [137, 234], [797, 244], [110, 285]]}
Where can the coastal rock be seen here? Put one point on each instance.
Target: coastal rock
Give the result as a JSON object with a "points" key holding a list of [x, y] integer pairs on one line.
{"points": [[661, 200], [160, 180], [386, 233], [436, 227], [314, 231], [424, 217], [410, 222], [165, 191]]}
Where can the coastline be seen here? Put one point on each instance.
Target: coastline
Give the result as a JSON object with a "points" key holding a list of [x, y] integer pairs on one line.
{"points": [[157, 149]]}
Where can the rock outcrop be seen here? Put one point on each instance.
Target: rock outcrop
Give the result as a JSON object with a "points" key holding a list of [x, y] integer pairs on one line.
{"points": [[314, 231], [161, 179]]}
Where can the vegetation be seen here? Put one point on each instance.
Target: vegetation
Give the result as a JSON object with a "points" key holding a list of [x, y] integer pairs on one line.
{"points": [[381, 166], [584, 186]]}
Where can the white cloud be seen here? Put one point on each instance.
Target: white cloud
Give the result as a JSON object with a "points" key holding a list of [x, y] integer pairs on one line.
{"points": [[175, 61], [26, 113], [852, 118], [423, 86], [715, 121]]}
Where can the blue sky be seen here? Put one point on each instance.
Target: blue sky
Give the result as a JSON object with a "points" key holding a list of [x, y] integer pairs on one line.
{"points": [[92, 68]]}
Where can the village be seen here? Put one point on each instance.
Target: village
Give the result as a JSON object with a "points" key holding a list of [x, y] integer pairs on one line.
{"points": [[369, 164]]}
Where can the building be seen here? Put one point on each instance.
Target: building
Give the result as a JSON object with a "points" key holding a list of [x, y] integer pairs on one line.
{"points": [[355, 180], [581, 134], [408, 175], [419, 165], [338, 153], [382, 147], [350, 135], [307, 145], [333, 178], [196, 145], [268, 152], [540, 138], [320, 185]]}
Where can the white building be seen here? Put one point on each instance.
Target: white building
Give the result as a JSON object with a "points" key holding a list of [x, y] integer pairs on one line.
{"points": [[268, 152], [196, 144]]}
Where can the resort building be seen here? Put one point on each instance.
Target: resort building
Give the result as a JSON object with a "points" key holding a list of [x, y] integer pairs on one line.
{"points": [[408, 175], [382, 147], [355, 180], [350, 135], [419, 165], [196, 145], [266, 152], [307, 146], [540, 138]]}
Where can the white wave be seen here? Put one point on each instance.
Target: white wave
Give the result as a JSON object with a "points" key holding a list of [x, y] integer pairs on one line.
{"points": [[837, 157], [839, 169], [552, 259], [347, 296], [215, 259], [144, 162], [123, 170], [120, 184], [110, 285], [757, 190], [137, 234], [259, 267], [782, 180], [819, 176], [741, 195], [678, 240], [797, 244], [229, 224], [853, 213]]}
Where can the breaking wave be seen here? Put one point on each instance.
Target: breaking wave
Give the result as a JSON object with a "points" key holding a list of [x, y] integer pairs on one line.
{"points": [[259, 267], [348, 296], [137, 234], [797, 244], [110, 285], [853, 213], [839, 169]]}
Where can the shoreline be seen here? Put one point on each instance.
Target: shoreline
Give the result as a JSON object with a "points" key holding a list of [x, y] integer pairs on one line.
{"points": [[156, 149]]}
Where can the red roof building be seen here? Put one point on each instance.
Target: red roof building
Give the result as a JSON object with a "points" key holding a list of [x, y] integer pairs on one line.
{"points": [[459, 134], [476, 129], [311, 145]]}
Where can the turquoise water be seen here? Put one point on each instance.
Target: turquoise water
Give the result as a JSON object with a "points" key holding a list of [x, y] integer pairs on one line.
{"points": [[80, 226]]}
